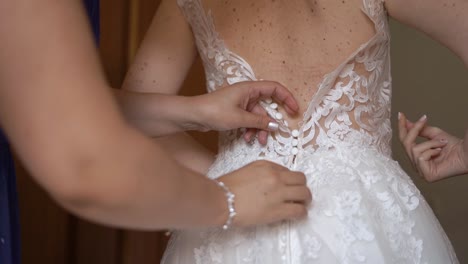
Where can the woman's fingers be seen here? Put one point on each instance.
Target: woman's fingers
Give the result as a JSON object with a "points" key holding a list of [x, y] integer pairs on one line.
{"points": [[296, 188], [418, 149], [291, 211], [424, 163], [402, 128], [423, 154], [262, 127], [281, 95], [415, 130], [410, 136], [261, 194], [269, 89], [298, 194], [431, 132], [294, 178], [257, 118], [249, 134], [436, 158], [428, 155], [262, 137]]}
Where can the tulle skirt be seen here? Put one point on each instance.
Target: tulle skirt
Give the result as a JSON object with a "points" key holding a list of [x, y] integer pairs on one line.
{"points": [[365, 209]]}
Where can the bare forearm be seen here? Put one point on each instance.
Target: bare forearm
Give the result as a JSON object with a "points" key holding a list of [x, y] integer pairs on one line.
{"points": [[58, 112], [162, 116], [158, 114], [445, 22], [142, 187], [187, 151]]}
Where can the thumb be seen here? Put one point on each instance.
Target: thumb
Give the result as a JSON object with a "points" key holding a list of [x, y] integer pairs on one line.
{"points": [[258, 118]]}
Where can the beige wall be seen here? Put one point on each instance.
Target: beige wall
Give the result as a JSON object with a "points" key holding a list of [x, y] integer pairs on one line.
{"points": [[429, 79]]}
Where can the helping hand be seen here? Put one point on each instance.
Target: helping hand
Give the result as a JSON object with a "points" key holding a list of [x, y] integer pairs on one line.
{"points": [[266, 193], [237, 106]]}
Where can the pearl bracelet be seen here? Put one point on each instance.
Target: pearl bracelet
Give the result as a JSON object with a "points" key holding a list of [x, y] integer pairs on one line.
{"points": [[230, 201]]}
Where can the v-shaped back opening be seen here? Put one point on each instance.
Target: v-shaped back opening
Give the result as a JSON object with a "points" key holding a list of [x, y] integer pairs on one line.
{"points": [[351, 99], [250, 72]]}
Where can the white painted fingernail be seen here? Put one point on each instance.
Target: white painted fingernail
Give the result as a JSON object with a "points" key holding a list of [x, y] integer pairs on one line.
{"points": [[399, 115], [424, 117], [272, 126]]}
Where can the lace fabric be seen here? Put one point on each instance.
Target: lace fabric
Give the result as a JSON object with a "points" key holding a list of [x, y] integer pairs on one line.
{"points": [[355, 96], [365, 208]]}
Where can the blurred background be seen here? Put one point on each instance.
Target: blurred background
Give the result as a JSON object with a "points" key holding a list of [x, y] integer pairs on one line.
{"points": [[427, 79]]}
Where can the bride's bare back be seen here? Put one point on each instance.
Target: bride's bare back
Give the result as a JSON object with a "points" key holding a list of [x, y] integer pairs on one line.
{"points": [[333, 55], [294, 42]]}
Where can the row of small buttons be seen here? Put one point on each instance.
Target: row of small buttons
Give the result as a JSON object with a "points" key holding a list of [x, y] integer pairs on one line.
{"points": [[295, 142], [274, 106], [294, 133]]}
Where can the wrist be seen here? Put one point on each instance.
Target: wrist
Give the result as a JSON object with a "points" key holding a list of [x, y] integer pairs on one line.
{"points": [[198, 113], [219, 204], [230, 205], [187, 115]]}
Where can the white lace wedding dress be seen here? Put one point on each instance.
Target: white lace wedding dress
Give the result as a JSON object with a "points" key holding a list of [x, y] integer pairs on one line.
{"points": [[365, 208]]}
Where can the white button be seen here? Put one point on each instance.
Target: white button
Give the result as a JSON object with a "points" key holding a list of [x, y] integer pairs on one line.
{"points": [[294, 151], [279, 116], [295, 142], [295, 133], [274, 105]]}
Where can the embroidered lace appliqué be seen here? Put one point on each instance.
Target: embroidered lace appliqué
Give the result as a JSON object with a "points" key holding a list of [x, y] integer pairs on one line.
{"points": [[361, 196]]}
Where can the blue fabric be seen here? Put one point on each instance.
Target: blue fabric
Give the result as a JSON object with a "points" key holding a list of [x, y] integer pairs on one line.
{"points": [[92, 7], [9, 216], [9, 220]]}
